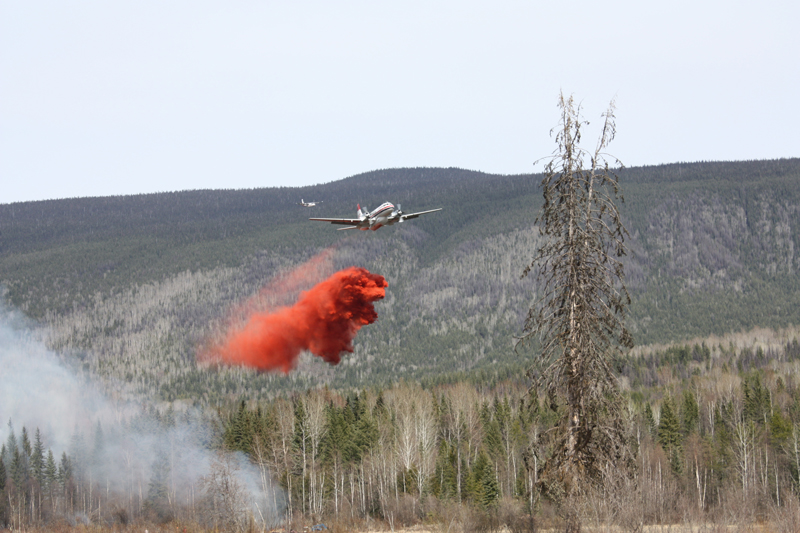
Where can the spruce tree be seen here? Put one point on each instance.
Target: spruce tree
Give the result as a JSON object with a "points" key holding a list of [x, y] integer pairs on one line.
{"points": [[64, 470], [18, 468], [780, 429], [50, 470], [37, 458], [482, 485], [669, 428], [26, 443], [756, 399], [444, 481], [10, 448], [158, 488], [650, 420], [690, 413]]}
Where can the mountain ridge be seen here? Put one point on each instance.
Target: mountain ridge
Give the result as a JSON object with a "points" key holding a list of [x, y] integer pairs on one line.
{"points": [[711, 251]]}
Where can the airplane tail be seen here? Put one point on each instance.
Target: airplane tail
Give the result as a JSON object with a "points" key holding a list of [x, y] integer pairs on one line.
{"points": [[360, 214]]}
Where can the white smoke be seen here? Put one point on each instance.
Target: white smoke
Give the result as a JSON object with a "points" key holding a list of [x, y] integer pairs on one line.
{"points": [[38, 391], [133, 453]]}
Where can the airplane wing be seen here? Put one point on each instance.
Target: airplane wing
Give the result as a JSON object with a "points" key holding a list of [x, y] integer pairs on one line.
{"points": [[415, 215], [342, 221]]}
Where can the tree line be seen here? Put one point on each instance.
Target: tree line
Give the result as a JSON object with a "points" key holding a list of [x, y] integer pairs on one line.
{"points": [[716, 433]]}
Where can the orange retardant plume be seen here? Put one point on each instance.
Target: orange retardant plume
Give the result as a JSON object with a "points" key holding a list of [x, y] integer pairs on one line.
{"points": [[324, 321]]}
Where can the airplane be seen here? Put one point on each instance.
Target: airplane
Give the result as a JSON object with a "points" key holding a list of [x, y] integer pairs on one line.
{"points": [[309, 204], [384, 215]]}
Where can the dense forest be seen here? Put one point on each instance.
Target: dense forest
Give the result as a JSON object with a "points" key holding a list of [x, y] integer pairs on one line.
{"points": [[433, 417], [716, 428], [130, 287]]}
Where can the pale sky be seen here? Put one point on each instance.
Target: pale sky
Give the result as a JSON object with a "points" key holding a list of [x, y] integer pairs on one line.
{"points": [[122, 97]]}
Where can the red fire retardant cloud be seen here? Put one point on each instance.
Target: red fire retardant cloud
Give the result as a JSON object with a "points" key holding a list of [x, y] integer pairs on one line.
{"points": [[324, 321]]}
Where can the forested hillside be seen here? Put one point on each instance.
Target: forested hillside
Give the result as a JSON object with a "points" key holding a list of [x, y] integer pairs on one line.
{"points": [[132, 286], [716, 429]]}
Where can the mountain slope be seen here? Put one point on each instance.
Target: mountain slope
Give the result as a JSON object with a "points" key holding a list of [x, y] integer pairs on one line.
{"points": [[132, 286]]}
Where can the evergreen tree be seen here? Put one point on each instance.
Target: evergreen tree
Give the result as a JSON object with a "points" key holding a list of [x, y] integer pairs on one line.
{"points": [[238, 434], [690, 413], [780, 429], [650, 420], [481, 485], [37, 458], [492, 439], [444, 481], [158, 488], [756, 399], [675, 461], [491, 490], [50, 470], [77, 463], [2, 474], [337, 442], [669, 428], [64, 470], [18, 468], [10, 449], [348, 418], [521, 487], [26, 443], [365, 435]]}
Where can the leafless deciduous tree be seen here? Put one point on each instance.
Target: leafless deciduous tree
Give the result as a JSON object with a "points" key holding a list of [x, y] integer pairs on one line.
{"points": [[226, 503], [578, 316]]}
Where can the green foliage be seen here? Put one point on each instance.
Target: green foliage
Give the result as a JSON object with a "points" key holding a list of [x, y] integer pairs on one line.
{"points": [[756, 399], [37, 458], [675, 460], [50, 470], [64, 469], [240, 430], [444, 483], [709, 253], [650, 421], [669, 427], [780, 429], [481, 484], [690, 413]]}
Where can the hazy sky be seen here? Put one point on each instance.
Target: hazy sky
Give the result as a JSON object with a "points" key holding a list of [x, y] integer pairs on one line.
{"points": [[118, 97]]}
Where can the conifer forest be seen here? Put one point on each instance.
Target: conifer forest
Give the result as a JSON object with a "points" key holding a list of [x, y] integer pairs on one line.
{"points": [[439, 419]]}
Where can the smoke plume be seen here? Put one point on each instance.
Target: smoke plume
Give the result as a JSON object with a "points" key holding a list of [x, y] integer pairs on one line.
{"points": [[124, 458], [324, 321]]}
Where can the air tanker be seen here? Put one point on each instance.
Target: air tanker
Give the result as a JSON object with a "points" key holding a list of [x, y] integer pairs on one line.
{"points": [[385, 215]]}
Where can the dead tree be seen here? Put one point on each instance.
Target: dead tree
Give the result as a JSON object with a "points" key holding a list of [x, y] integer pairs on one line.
{"points": [[578, 316]]}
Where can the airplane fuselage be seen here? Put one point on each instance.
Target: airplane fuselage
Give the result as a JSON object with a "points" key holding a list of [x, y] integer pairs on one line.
{"points": [[382, 216]]}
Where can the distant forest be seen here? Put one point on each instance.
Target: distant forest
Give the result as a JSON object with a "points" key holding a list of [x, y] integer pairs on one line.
{"points": [[131, 286], [433, 417]]}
